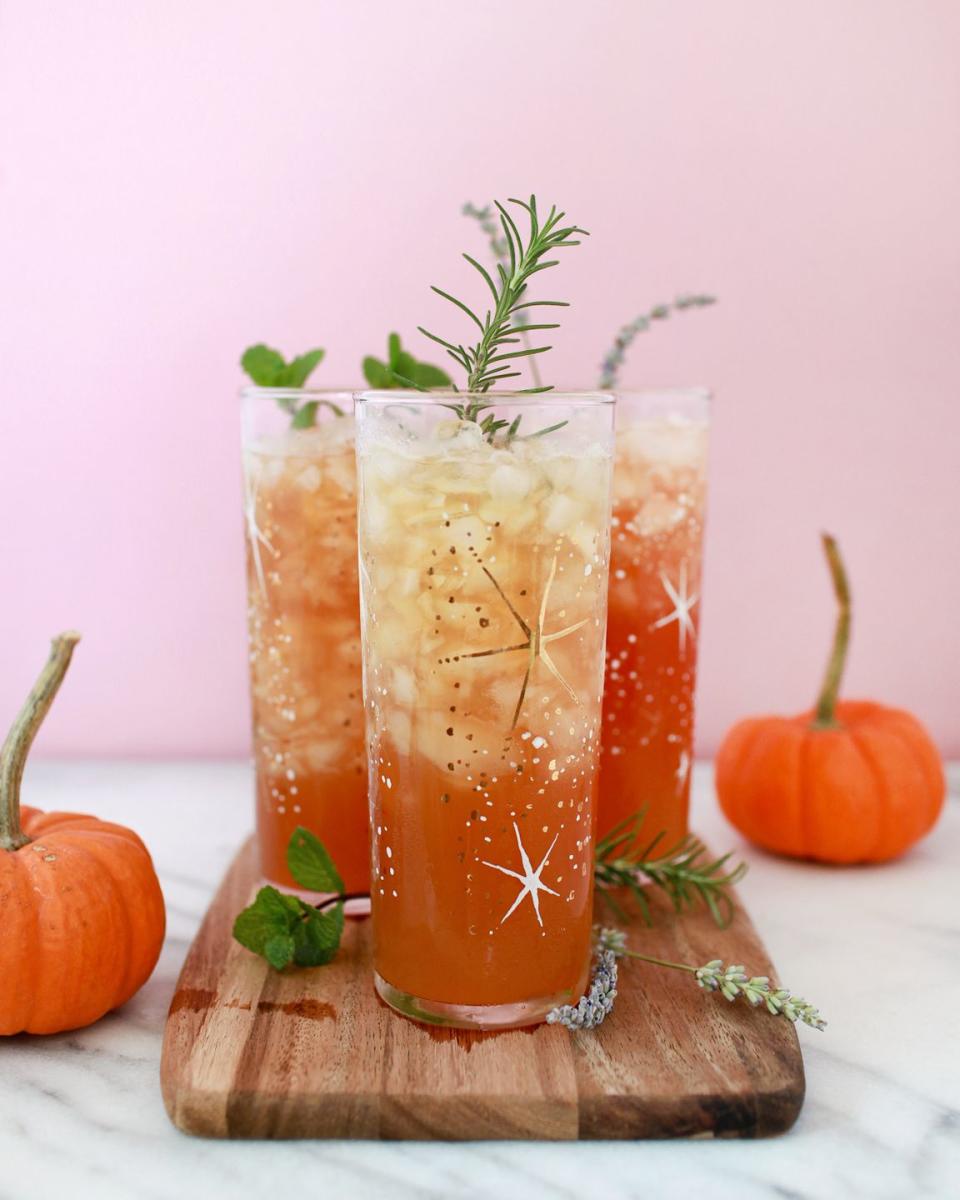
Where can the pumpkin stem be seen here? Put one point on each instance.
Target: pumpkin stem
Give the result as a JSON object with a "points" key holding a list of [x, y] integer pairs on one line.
{"points": [[827, 703], [13, 755]]}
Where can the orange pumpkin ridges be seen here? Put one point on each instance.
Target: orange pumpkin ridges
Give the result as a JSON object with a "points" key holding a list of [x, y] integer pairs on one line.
{"points": [[852, 781], [83, 914]]}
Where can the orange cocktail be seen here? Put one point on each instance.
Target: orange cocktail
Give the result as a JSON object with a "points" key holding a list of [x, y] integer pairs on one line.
{"points": [[304, 630], [484, 566], [659, 494]]}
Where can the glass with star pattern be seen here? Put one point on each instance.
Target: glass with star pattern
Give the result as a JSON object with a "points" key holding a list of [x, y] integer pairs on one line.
{"points": [[484, 545], [659, 498]]}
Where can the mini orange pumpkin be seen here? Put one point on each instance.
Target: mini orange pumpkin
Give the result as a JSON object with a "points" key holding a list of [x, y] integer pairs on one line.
{"points": [[81, 910], [852, 781]]}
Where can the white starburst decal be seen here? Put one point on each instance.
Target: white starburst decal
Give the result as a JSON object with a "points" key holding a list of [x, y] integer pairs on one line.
{"points": [[255, 534], [682, 604], [533, 885]]}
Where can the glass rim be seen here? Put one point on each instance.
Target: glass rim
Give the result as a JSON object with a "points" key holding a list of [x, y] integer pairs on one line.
{"points": [[530, 399], [693, 392], [252, 390]]}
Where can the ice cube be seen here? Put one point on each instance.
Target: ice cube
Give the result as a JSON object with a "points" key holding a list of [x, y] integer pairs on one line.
{"points": [[511, 483], [404, 685], [341, 470], [560, 512], [398, 729], [310, 478], [658, 514], [560, 470]]}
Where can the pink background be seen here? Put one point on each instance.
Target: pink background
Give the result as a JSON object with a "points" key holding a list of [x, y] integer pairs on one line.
{"points": [[178, 180]]}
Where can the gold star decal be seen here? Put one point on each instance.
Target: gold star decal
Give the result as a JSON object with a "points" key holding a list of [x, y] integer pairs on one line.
{"points": [[536, 643]]}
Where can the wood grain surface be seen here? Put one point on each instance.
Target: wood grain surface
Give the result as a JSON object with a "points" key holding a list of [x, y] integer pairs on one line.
{"points": [[250, 1053]]}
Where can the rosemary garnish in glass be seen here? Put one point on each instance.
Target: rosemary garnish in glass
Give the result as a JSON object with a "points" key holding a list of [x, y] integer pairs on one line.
{"points": [[491, 359], [486, 218]]}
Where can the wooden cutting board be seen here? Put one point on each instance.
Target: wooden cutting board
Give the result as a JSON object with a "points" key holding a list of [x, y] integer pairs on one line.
{"points": [[249, 1053]]}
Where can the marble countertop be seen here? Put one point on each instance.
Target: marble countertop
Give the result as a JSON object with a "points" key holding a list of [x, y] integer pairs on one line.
{"points": [[878, 949]]}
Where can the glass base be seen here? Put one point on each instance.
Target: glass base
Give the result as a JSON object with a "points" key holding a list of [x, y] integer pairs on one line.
{"points": [[483, 1017]]}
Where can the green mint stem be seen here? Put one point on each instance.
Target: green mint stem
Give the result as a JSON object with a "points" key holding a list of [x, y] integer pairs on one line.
{"points": [[341, 898]]}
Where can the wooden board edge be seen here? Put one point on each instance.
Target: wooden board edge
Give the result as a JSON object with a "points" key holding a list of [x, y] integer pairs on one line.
{"points": [[478, 1119], [189, 1109], [632, 1118]]}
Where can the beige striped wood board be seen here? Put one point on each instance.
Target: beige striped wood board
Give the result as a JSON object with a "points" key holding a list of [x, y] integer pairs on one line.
{"points": [[250, 1053]]}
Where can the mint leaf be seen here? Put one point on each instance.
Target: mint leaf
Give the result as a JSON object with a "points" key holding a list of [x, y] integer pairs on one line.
{"points": [[427, 376], [403, 364], [306, 415], [317, 937], [263, 364], [310, 864], [402, 370], [284, 929], [297, 372], [377, 373], [270, 916], [279, 950]]}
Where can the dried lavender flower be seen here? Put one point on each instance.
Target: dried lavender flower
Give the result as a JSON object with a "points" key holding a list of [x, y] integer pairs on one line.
{"points": [[597, 1004], [609, 939], [731, 982], [488, 221], [734, 982], [613, 361]]}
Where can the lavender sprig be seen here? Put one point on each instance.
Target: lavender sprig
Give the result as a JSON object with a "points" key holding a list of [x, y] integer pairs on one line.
{"points": [[488, 221], [597, 1004], [731, 982], [613, 361]]}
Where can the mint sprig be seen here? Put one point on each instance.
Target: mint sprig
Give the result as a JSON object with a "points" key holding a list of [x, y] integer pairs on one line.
{"points": [[284, 929], [268, 368], [310, 864], [402, 370]]}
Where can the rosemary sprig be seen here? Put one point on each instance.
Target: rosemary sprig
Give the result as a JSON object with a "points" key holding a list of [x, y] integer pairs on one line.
{"points": [[487, 220], [490, 360], [731, 982], [613, 360], [683, 872]]}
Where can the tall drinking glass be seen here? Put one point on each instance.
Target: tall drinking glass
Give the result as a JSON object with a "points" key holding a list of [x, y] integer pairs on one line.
{"points": [[659, 494], [304, 627], [483, 588]]}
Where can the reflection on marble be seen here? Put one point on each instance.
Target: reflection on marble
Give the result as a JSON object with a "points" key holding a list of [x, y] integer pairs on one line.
{"points": [[877, 948]]}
